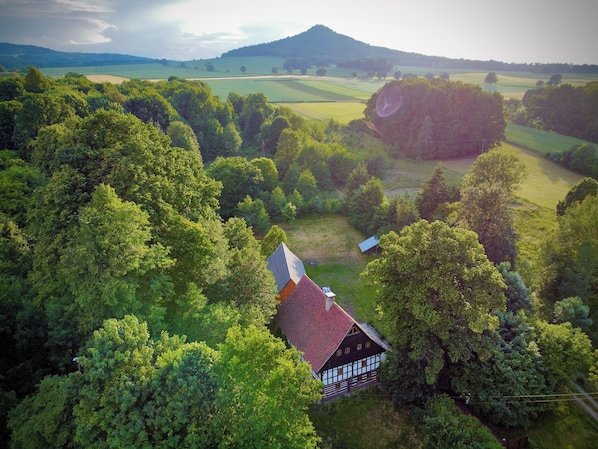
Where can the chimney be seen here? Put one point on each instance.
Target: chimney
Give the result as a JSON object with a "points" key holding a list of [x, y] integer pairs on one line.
{"points": [[330, 297]]}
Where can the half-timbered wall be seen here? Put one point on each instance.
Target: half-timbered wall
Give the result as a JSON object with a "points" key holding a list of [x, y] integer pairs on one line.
{"points": [[356, 346], [343, 378]]}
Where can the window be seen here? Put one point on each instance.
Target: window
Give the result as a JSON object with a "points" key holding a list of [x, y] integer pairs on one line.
{"points": [[339, 372], [339, 352], [367, 344], [364, 363], [359, 346], [354, 330], [347, 350]]}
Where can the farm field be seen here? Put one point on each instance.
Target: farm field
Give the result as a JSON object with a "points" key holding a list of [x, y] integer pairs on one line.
{"points": [[539, 140], [301, 92]]}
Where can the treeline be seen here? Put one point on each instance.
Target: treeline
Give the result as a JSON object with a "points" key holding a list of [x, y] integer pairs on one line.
{"points": [[564, 109], [436, 119], [582, 159], [376, 65]]}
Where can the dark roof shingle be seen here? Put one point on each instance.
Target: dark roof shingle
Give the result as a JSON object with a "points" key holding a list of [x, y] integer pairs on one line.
{"points": [[285, 266]]}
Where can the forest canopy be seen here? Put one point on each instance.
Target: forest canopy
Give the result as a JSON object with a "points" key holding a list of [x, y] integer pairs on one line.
{"points": [[436, 119]]}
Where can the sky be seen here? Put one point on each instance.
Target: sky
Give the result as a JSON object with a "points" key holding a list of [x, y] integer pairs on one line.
{"points": [[521, 31]]}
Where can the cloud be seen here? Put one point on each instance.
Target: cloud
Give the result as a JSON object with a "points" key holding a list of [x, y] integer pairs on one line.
{"points": [[193, 29]]}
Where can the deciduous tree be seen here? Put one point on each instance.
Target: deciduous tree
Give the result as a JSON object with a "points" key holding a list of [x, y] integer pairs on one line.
{"points": [[435, 289], [486, 196], [264, 392]]}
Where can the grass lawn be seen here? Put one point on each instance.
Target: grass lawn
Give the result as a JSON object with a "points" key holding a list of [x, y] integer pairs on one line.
{"points": [[568, 426], [328, 246], [364, 421]]}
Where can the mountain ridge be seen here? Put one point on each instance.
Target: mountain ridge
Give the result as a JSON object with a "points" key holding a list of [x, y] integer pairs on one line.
{"points": [[322, 45], [21, 56], [317, 46]]}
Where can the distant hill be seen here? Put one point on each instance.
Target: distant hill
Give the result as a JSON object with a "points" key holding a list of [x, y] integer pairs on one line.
{"points": [[320, 45], [13, 56]]}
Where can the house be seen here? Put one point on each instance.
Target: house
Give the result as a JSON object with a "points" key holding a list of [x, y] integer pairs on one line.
{"points": [[370, 244], [287, 269], [343, 353]]}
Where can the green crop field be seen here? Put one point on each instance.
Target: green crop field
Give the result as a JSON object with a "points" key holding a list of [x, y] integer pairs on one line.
{"points": [[341, 112]]}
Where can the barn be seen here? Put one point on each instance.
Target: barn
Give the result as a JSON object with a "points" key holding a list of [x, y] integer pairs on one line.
{"points": [[343, 353]]}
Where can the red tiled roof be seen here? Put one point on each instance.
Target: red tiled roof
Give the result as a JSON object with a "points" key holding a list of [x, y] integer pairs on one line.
{"points": [[312, 329]]}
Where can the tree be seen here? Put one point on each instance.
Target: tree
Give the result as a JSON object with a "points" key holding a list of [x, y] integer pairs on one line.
{"points": [[583, 188], [181, 135], [321, 72], [136, 391], [272, 131], [422, 279], [289, 211], [269, 173], [151, 108], [395, 214], [517, 294], [243, 69], [307, 186], [239, 177], [8, 112], [275, 236], [432, 199], [231, 140], [357, 177], [499, 385], [38, 110], [574, 311], [570, 255], [363, 204], [491, 78], [444, 425], [264, 392], [254, 213], [45, 419], [110, 266], [555, 80], [567, 352], [287, 149], [486, 196], [462, 118], [36, 82]]}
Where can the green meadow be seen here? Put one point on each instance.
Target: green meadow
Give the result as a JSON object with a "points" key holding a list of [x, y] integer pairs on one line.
{"points": [[538, 140]]}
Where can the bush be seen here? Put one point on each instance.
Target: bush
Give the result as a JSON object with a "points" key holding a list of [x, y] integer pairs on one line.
{"points": [[444, 425]]}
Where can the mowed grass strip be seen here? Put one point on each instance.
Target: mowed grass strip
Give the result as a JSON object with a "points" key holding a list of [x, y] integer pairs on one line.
{"points": [[539, 140], [275, 91], [341, 112], [326, 93]]}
